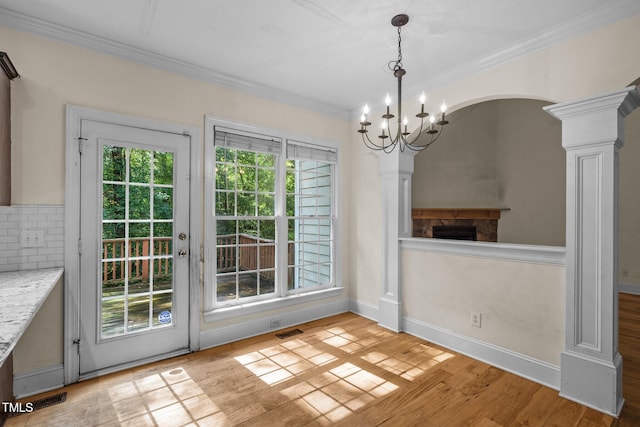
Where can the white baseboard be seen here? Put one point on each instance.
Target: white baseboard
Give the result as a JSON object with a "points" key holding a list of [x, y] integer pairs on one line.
{"points": [[261, 325], [38, 381], [629, 288], [364, 309], [519, 364], [516, 363]]}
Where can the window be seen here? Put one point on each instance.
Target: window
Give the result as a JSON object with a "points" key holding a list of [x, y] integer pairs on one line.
{"points": [[272, 218], [309, 215]]}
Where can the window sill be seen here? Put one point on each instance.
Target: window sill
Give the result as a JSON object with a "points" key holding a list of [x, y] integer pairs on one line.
{"points": [[271, 304]]}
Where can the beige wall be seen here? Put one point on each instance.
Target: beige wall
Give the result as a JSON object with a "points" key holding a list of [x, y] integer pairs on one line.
{"points": [[460, 169], [522, 304], [588, 65], [531, 172], [41, 345]]}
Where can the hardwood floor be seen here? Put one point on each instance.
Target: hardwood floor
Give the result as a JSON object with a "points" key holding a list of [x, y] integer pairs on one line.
{"points": [[342, 370]]}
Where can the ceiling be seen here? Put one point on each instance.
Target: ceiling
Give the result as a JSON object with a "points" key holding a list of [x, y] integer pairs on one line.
{"points": [[328, 55]]}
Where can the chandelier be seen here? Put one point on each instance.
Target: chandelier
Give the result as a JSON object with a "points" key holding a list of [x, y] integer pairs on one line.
{"points": [[403, 138]]}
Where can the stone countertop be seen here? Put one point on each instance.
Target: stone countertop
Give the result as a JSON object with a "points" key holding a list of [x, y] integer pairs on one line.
{"points": [[22, 293]]}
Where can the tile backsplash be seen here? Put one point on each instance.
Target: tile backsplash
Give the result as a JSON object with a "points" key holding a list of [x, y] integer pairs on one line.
{"points": [[14, 220]]}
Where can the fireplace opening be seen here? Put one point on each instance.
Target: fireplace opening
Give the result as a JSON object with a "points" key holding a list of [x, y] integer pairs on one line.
{"points": [[455, 232]]}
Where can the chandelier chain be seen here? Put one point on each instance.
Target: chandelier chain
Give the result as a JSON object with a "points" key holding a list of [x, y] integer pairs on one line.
{"points": [[397, 64]]}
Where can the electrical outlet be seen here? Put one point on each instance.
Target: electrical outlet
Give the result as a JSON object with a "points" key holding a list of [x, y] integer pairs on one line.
{"points": [[274, 323], [625, 273], [476, 319], [32, 238]]}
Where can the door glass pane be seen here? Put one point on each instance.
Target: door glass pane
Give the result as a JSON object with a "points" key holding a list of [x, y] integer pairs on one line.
{"points": [[112, 278], [114, 163], [162, 274], [162, 238], [113, 201], [139, 207], [112, 317], [137, 240], [139, 161], [138, 313], [162, 203], [162, 304], [163, 168]]}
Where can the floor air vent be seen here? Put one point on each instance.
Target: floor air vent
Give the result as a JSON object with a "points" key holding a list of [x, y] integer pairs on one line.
{"points": [[288, 334], [45, 402]]}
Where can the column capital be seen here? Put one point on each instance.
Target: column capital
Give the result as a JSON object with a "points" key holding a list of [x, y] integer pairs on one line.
{"points": [[626, 100], [595, 120], [396, 162]]}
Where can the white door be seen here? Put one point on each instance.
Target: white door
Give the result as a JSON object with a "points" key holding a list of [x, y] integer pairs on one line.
{"points": [[134, 236]]}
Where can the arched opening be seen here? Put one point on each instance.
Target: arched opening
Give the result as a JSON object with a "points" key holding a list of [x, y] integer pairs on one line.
{"points": [[505, 155]]}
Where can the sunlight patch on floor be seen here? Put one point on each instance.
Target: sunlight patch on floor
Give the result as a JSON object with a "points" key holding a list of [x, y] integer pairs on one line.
{"points": [[276, 364], [411, 364], [335, 394], [167, 398]]}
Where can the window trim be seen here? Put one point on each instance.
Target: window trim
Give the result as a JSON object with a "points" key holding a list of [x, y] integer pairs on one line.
{"points": [[282, 297]]}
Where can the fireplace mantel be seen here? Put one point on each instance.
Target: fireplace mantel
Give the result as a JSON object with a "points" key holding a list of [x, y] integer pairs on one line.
{"points": [[455, 213], [485, 220]]}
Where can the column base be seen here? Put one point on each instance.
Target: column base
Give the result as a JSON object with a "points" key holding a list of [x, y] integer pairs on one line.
{"points": [[390, 314], [592, 382]]}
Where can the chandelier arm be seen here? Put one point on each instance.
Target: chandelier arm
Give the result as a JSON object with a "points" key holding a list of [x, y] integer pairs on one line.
{"points": [[435, 137], [411, 143], [389, 148], [370, 144]]}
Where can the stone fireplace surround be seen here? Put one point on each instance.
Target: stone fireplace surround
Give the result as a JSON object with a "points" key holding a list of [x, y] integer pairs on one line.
{"points": [[484, 219]]}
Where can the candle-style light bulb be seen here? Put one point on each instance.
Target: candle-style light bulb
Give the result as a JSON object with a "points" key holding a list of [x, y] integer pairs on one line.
{"points": [[443, 108], [387, 100], [432, 120], [364, 121], [383, 127], [405, 121], [422, 99]]}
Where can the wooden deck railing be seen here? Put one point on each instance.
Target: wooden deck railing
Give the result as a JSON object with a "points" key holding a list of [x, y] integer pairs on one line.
{"points": [[114, 264], [247, 246], [250, 248]]}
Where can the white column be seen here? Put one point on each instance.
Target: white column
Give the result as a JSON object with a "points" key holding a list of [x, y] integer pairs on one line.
{"points": [[592, 135], [396, 169]]}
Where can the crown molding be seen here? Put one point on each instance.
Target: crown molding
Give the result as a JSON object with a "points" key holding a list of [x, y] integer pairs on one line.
{"points": [[71, 36], [602, 16]]}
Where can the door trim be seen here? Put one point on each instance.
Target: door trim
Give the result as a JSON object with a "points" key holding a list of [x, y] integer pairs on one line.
{"points": [[74, 117]]}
